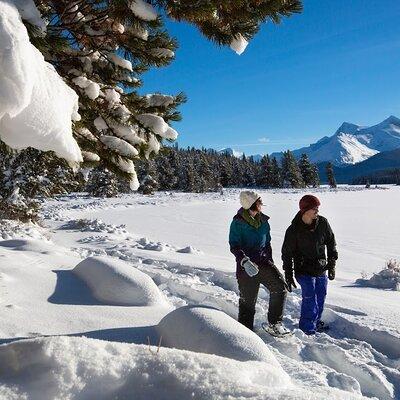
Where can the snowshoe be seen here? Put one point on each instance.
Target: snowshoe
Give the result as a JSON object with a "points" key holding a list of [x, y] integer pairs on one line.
{"points": [[276, 330]]}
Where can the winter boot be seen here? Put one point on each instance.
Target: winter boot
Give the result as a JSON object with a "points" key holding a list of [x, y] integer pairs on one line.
{"points": [[277, 330]]}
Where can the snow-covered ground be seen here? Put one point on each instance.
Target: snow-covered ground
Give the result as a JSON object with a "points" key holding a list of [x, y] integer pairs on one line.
{"points": [[79, 333]]}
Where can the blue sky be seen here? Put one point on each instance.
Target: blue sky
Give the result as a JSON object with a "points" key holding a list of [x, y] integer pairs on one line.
{"points": [[295, 83]]}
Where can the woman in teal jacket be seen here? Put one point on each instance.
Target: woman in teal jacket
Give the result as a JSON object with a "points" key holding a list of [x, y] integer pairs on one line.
{"points": [[250, 242]]}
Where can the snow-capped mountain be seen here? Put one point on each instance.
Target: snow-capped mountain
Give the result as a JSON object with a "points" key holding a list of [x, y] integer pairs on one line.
{"points": [[239, 154], [231, 152], [383, 161], [353, 143]]}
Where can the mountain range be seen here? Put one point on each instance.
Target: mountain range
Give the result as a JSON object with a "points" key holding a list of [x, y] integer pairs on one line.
{"points": [[383, 161], [354, 150], [353, 143], [231, 152]]}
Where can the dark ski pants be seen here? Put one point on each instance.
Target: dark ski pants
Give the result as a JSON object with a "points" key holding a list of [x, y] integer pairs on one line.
{"points": [[313, 292], [273, 280]]}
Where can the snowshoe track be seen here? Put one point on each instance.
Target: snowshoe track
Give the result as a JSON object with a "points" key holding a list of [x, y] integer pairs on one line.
{"points": [[351, 356]]}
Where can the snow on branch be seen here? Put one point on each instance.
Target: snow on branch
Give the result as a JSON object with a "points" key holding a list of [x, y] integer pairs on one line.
{"points": [[143, 10], [159, 100], [121, 146], [239, 44], [157, 125], [120, 62], [36, 106], [29, 12], [91, 89]]}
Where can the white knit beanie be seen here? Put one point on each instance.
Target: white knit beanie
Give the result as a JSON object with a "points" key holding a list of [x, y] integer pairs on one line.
{"points": [[248, 198]]}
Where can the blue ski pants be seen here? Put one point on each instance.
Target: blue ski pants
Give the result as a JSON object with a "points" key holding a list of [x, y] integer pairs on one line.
{"points": [[313, 292]]}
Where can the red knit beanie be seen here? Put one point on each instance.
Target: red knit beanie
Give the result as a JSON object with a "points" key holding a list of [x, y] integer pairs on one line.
{"points": [[308, 202]]}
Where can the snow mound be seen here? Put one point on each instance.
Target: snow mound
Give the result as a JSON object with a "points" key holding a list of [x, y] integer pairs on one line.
{"points": [[146, 244], [32, 245], [10, 229], [86, 369], [388, 278], [94, 225], [208, 330], [189, 250], [116, 282], [85, 253], [343, 382], [36, 106]]}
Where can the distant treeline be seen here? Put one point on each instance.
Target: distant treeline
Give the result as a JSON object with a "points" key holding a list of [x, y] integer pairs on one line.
{"points": [[202, 170], [387, 176]]}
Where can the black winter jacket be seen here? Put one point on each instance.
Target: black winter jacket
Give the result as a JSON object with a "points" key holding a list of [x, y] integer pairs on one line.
{"points": [[304, 246]]}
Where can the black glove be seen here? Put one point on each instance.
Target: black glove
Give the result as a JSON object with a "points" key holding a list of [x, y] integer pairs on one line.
{"points": [[289, 280], [331, 269]]}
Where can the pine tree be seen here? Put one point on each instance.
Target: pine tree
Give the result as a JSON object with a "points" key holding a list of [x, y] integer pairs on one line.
{"points": [[13, 204], [216, 172], [18, 207], [238, 172], [148, 175], [29, 174], [205, 175], [247, 175], [102, 183], [266, 178], [190, 178], [291, 175], [149, 184], [101, 49], [315, 181], [309, 172], [165, 171], [225, 170], [37, 173], [169, 175], [276, 174], [330, 175]]}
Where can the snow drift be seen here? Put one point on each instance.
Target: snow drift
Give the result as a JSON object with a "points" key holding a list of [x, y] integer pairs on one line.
{"points": [[40, 296], [36, 106], [40, 245], [86, 369], [387, 278], [114, 281], [208, 330]]}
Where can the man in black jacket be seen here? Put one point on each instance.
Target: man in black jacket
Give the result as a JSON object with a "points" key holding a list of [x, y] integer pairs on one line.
{"points": [[303, 252]]}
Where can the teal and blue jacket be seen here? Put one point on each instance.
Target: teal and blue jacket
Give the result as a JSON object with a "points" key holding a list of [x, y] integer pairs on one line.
{"points": [[246, 240]]}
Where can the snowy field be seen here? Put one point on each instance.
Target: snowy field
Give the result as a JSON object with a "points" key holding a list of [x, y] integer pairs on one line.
{"points": [[78, 307]]}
